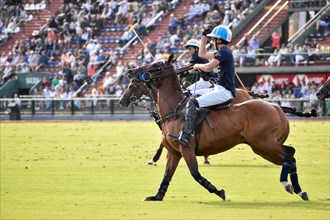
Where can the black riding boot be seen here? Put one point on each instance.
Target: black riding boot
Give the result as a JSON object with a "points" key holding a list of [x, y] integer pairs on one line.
{"points": [[190, 121]]}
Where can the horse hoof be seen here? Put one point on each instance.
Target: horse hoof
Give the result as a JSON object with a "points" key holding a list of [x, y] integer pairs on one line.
{"points": [[289, 188], [221, 194], [151, 198], [150, 162], [206, 162], [304, 196]]}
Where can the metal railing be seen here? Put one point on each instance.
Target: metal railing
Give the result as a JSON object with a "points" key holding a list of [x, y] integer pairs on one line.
{"points": [[40, 106]]}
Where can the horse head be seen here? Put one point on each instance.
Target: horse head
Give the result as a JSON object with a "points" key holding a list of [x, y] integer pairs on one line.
{"points": [[142, 79], [152, 72]]}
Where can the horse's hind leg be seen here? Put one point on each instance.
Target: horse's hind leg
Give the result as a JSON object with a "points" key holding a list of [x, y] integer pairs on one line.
{"points": [[295, 182], [156, 156], [289, 167]]}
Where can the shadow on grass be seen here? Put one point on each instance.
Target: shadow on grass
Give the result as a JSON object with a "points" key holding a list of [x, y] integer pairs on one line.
{"points": [[313, 205], [242, 165]]}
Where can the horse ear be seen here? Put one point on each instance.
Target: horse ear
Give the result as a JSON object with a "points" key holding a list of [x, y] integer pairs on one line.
{"points": [[171, 59]]}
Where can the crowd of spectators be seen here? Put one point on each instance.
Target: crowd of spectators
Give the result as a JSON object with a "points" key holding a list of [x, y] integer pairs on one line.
{"points": [[12, 13], [70, 41], [290, 94]]}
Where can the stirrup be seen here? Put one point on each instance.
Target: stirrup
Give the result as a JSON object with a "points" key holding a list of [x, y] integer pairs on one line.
{"points": [[176, 138]]}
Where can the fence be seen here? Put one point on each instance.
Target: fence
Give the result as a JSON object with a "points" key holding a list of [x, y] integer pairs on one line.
{"points": [[107, 106]]}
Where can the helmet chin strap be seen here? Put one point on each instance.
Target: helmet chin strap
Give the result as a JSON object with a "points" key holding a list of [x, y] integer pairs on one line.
{"points": [[216, 43]]}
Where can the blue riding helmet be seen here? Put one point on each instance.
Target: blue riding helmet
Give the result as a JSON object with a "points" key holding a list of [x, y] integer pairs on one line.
{"points": [[222, 32]]}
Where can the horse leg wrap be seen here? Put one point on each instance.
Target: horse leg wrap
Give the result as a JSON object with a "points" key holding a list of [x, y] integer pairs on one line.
{"points": [[162, 190], [294, 177], [204, 182], [286, 166], [285, 170], [157, 155], [207, 185], [289, 152]]}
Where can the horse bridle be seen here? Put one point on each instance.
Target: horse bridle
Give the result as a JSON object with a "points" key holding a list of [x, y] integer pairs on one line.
{"points": [[152, 78], [154, 74]]}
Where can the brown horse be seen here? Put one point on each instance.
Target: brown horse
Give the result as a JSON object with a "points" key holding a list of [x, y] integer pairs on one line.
{"points": [[136, 90], [133, 95], [324, 91], [261, 125]]}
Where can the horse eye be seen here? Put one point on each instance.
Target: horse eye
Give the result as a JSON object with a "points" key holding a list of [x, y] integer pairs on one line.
{"points": [[154, 65]]}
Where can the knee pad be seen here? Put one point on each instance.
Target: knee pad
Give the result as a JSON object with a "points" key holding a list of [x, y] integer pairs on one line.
{"points": [[193, 101]]}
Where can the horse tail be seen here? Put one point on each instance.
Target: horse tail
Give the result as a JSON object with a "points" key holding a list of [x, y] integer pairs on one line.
{"points": [[296, 112]]}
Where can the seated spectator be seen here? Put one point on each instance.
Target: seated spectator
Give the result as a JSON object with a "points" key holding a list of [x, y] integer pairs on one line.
{"points": [[250, 56], [67, 72], [254, 42], [314, 53], [3, 59], [323, 23], [32, 60], [283, 54], [236, 54], [70, 60], [108, 83], [39, 46], [121, 13], [158, 55], [67, 37], [91, 47], [172, 24], [11, 26], [296, 90], [113, 57], [245, 41], [45, 84], [16, 58], [50, 48], [120, 69], [273, 59], [299, 54], [82, 58], [303, 88], [93, 58], [101, 56], [25, 68], [118, 91], [91, 70], [194, 10], [81, 70], [8, 70], [107, 12], [43, 61]]}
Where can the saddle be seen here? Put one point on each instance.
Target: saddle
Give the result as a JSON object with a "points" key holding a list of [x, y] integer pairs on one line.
{"points": [[202, 115]]}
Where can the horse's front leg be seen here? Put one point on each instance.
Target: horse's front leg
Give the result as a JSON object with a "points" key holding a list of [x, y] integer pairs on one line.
{"points": [[173, 159], [190, 158]]}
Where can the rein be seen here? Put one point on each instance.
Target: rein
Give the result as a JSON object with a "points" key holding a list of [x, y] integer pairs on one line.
{"points": [[173, 113], [160, 72]]}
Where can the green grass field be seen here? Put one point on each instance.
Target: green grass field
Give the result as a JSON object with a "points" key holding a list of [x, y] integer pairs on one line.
{"points": [[97, 170]]}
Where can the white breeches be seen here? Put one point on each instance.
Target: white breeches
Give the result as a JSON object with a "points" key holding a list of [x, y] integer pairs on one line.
{"points": [[213, 96], [200, 84]]}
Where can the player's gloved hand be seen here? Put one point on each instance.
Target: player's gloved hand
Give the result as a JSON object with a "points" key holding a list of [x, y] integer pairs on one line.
{"points": [[206, 32]]}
